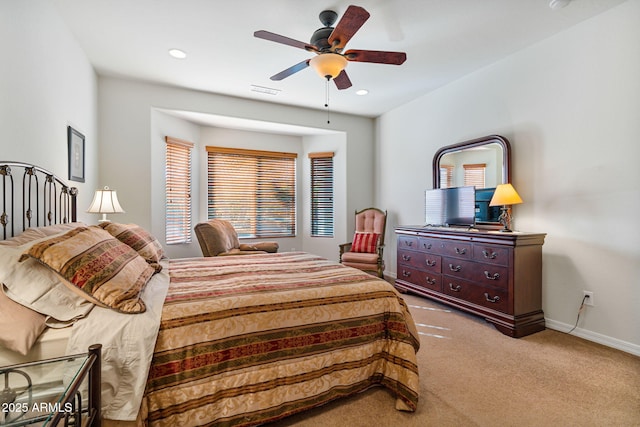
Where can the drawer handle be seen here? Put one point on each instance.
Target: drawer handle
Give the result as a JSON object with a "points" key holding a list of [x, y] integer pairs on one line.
{"points": [[456, 268], [455, 289], [494, 276], [406, 273], [427, 245], [431, 281], [494, 299], [406, 257], [488, 255], [408, 243], [430, 263], [461, 251]]}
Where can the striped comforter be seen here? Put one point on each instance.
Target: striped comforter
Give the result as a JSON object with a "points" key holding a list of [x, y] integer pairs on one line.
{"points": [[249, 339]]}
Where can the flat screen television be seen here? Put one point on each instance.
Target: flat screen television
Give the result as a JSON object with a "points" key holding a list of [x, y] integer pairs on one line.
{"points": [[450, 206], [484, 212]]}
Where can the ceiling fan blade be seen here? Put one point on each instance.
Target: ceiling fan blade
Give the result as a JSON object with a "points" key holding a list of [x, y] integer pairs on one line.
{"points": [[351, 21], [342, 81], [376, 56], [267, 35], [291, 70]]}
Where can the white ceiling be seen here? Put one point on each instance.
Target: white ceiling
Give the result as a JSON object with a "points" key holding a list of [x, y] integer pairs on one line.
{"points": [[444, 40]]}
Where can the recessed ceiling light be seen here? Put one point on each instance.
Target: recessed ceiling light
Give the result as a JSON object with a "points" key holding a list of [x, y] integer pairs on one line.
{"points": [[362, 92], [177, 53], [558, 4]]}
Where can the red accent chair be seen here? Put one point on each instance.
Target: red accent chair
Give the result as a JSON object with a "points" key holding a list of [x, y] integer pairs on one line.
{"points": [[365, 251]]}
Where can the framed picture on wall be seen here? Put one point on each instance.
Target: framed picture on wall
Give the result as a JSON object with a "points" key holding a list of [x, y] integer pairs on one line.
{"points": [[76, 154]]}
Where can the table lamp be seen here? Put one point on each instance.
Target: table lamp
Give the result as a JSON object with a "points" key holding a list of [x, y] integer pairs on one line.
{"points": [[105, 201], [505, 196]]}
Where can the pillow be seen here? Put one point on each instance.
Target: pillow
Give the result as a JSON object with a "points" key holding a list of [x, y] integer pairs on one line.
{"points": [[34, 286], [20, 326], [139, 239], [365, 242], [96, 265], [31, 234]]}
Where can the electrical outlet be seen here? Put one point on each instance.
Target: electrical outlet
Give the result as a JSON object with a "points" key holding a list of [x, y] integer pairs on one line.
{"points": [[589, 300]]}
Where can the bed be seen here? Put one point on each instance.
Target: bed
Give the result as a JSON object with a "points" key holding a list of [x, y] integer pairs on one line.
{"points": [[208, 341]]}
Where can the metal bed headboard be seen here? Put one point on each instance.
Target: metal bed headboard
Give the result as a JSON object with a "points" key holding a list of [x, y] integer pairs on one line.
{"points": [[45, 198]]}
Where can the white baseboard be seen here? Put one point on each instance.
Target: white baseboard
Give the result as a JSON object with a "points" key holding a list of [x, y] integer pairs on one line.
{"points": [[583, 333], [595, 337]]}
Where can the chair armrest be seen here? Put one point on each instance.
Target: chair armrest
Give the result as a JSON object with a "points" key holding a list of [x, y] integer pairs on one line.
{"points": [[236, 252], [270, 247], [345, 247]]}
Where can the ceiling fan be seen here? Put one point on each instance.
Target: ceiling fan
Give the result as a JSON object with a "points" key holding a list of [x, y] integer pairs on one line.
{"points": [[328, 43]]}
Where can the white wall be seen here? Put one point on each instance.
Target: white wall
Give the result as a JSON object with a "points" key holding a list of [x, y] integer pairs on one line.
{"points": [[132, 128], [570, 107], [46, 84]]}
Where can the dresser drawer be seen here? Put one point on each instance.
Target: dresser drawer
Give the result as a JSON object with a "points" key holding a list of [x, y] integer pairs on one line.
{"points": [[457, 249], [486, 296], [434, 246], [491, 254], [407, 242], [486, 274], [420, 260], [421, 278]]}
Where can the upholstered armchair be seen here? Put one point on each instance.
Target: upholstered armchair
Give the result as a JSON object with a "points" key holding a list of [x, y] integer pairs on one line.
{"points": [[217, 237], [365, 251]]}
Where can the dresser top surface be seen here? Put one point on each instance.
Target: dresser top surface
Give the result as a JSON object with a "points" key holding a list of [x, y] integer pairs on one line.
{"points": [[473, 234]]}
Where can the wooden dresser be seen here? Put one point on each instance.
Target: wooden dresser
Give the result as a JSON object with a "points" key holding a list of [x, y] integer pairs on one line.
{"points": [[491, 274]]}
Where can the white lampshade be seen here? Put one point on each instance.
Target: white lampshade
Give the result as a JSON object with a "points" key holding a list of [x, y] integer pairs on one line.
{"points": [[328, 65], [105, 201]]}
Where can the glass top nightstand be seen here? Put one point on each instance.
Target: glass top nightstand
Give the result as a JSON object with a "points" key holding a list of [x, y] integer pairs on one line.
{"points": [[63, 391]]}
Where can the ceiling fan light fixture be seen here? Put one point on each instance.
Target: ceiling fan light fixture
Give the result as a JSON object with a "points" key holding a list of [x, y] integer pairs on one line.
{"points": [[328, 65]]}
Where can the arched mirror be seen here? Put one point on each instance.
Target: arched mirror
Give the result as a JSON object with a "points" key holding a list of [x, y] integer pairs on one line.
{"points": [[484, 162]]}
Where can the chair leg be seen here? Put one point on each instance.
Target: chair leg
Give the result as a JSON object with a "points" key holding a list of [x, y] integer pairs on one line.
{"points": [[381, 268]]}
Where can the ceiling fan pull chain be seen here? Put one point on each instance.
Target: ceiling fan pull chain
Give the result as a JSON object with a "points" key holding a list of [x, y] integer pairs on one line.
{"points": [[326, 104]]}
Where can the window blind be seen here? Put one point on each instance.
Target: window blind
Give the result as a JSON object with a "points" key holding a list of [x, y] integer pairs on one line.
{"points": [[253, 189], [178, 191], [321, 194], [446, 176], [474, 174]]}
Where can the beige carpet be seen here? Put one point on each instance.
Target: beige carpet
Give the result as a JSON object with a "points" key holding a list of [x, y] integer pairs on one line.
{"points": [[472, 375]]}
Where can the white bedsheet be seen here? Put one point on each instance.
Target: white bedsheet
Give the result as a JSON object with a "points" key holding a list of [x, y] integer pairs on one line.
{"points": [[127, 342]]}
